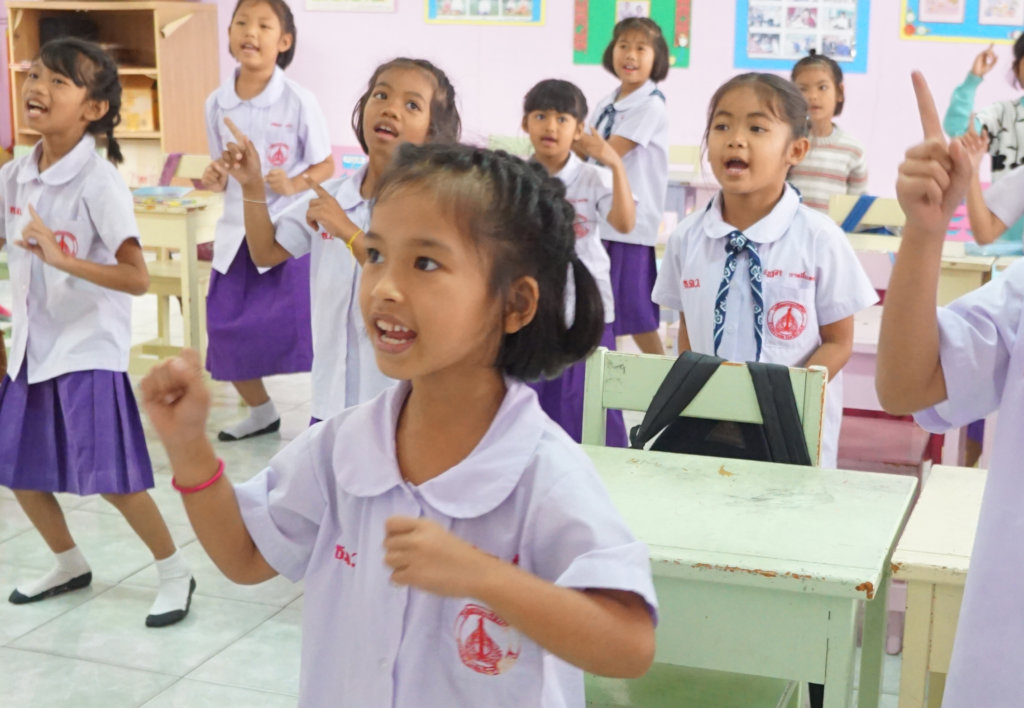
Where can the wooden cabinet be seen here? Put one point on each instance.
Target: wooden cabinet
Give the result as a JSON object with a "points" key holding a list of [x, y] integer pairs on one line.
{"points": [[166, 52]]}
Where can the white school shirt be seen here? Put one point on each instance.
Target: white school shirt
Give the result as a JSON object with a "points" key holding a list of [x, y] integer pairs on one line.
{"points": [[289, 130], [981, 347], [63, 323], [642, 118], [1005, 198], [589, 189], [344, 363], [811, 277], [527, 494]]}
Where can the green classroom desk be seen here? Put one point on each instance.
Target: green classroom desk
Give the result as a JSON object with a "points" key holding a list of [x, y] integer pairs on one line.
{"points": [[759, 567]]}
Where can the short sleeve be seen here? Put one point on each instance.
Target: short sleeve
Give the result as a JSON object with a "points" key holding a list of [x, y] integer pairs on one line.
{"points": [[1003, 198], [842, 288], [315, 136], [977, 335], [643, 123], [283, 507], [291, 229], [602, 188], [857, 180], [579, 540], [212, 129], [110, 207], [666, 290]]}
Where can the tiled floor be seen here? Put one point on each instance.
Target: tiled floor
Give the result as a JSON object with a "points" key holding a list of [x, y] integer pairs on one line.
{"points": [[239, 646]]}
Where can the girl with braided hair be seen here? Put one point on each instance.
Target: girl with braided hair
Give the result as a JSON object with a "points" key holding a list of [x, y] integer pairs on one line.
{"points": [[457, 547]]}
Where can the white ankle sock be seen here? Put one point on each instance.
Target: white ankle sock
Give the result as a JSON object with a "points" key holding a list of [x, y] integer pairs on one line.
{"points": [[69, 564], [259, 418], [175, 578]]}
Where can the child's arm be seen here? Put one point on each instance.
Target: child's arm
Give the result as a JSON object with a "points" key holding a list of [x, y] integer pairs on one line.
{"points": [[129, 275], [177, 403], [242, 161], [622, 214], [215, 176], [958, 115], [932, 181], [835, 348], [621, 145], [325, 214], [986, 227], [683, 340], [279, 181], [605, 632]]}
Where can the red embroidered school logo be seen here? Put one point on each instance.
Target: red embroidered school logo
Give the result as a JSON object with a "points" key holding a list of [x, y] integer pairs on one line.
{"points": [[787, 319], [277, 154], [580, 226], [486, 643], [67, 242]]}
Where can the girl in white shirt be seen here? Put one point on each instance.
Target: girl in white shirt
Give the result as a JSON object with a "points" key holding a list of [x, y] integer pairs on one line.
{"points": [[258, 320], [68, 419], [553, 116], [634, 121], [406, 100], [792, 282], [456, 546]]}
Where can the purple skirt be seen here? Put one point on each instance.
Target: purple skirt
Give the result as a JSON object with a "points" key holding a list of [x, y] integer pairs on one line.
{"points": [[78, 433], [633, 274], [258, 325], [562, 400]]}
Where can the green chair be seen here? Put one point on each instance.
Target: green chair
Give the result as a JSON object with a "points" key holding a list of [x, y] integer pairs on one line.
{"points": [[616, 380]]}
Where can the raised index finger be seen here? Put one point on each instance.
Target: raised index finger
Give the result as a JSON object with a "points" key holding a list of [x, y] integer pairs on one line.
{"points": [[239, 135], [315, 186], [930, 122]]}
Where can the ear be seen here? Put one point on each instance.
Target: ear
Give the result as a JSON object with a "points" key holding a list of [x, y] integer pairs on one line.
{"points": [[521, 304], [840, 92], [94, 110], [285, 43], [797, 151], [578, 133], [524, 124]]}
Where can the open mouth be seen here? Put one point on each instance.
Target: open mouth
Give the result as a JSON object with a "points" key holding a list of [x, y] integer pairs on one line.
{"points": [[249, 47], [34, 108], [385, 130], [735, 166], [393, 337]]}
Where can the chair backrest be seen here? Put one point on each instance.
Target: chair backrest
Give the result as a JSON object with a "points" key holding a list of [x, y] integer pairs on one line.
{"points": [[192, 166], [620, 381], [518, 145], [883, 212], [684, 163]]}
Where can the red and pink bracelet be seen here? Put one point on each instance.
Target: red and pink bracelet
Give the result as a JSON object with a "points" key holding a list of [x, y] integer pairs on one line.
{"points": [[204, 485]]}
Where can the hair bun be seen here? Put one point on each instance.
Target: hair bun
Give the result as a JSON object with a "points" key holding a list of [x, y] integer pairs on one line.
{"points": [[812, 52]]}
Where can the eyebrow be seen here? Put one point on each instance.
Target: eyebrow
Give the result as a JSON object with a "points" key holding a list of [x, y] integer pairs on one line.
{"points": [[385, 84], [419, 241], [756, 114]]}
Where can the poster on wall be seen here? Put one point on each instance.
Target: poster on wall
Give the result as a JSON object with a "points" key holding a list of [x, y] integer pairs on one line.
{"points": [[486, 12], [594, 21], [774, 34], [962, 20], [352, 5]]}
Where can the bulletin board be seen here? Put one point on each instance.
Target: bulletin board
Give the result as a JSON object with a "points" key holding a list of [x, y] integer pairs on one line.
{"points": [[774, 34], [962, 20], [486, 12], [594, 21]]}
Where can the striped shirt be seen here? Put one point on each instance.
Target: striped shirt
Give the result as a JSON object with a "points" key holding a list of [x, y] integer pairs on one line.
{"points": [[834, 165]]}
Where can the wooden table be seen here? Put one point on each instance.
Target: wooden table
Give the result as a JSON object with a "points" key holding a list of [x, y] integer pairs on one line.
{"points": [[933, 557], [759, 567], [166, 229]]}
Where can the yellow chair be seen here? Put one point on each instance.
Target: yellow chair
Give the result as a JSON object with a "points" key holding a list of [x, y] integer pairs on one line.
{"points": [[883, 212]]}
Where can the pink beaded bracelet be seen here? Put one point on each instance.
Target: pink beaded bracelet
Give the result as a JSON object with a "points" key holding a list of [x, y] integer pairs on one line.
{"points": [[204, 485]]}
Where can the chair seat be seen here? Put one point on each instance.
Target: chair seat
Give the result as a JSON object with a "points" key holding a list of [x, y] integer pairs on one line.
{"points": [[667, 686], [872, 444], [165, 276]]}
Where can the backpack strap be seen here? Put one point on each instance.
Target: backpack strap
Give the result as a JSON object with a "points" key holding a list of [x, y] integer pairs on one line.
{"points": [[684, 380], [782, 427], [860, 208]]}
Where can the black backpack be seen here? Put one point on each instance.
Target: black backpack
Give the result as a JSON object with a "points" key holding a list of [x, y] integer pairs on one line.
{"points": [[779, 439]]}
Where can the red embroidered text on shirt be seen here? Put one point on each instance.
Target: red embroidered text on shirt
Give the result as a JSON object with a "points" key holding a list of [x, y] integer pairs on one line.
{"points": [[691, 283], [802, 276], [345, 557], [15, 210], [773, 273]]}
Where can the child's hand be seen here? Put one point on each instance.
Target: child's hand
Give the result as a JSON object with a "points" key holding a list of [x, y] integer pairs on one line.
{"points": [[215, 176], [241, 158], [976, 146], [427, 557], [984, 62], [934, 176], [176, 400], [279, 181], [37, 238], [324, 213], [593, 145]]}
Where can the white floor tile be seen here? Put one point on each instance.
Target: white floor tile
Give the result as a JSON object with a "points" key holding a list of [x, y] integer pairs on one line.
{"points": [[18, 620], [187, 693]]}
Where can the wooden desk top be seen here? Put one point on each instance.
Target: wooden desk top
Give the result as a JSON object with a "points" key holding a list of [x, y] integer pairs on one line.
{"points": [[953, 254], [803, 529], [936, 545]]}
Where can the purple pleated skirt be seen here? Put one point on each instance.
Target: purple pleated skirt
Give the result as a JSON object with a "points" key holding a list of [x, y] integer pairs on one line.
{"points": [[562, 400], [633, 273], [78, 433], [258, 325]]}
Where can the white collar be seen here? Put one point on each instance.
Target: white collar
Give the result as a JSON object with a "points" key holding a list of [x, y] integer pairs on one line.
{"points": [[63, 170], [473, 487], [570, 170], [349, 196], [770, 228], [228, 98], [637, 97]]}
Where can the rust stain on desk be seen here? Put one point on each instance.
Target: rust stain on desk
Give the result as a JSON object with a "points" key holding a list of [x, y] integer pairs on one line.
{"points": [[724, 472], [736, 569], [868, 588]]}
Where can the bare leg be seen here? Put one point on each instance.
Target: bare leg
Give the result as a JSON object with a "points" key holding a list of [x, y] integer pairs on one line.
{"points": [[252, 391], [142, 514], [46, 515], [650, 342]]}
